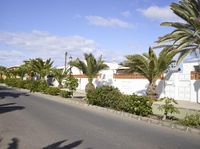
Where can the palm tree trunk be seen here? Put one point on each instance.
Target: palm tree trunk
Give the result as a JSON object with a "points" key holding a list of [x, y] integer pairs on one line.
{"points": [[151, 90], [90, 86]]}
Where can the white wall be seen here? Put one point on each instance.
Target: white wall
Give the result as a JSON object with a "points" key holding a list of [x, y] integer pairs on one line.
{"points": [[176, 85], [130, 86], [189, 66]]}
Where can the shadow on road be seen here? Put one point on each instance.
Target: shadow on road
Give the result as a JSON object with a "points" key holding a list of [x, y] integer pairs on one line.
{"points": [[6, 92], [13, 144], [58, 145], [7, 104], [11, 94], [4, 108]]}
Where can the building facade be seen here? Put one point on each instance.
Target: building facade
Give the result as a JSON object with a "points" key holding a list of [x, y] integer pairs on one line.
{"points": [[180, 85]]}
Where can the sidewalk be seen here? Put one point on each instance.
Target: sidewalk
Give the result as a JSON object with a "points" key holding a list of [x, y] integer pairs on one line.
{"points": [[185, 108], [185, 105], [80, 93]]}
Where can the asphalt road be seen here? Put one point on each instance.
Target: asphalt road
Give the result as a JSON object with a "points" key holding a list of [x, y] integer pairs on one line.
{"points": [[28, 121]]}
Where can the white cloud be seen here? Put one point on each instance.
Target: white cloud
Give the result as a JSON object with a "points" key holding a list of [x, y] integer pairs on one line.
{"points": [[5, 54], [45, 41], [160, 13], [111, 22], [43, 44], [111, 55], [10, 57], [126, 13]]}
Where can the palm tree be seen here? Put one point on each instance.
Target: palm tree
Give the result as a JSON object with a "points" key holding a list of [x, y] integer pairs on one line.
{"points": [[7, 73], [186, 36], [22, 71], [13, 72], [150, 66], [42, 68], [2, 71], [59, 75], [28, 64], [91, 68]]}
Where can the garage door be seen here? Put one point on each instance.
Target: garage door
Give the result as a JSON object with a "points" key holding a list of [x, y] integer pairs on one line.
{"points": [[170, 91], [184, 92]]}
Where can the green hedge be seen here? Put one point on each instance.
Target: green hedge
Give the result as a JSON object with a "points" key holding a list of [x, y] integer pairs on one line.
{"points": [[1, 80], [139, 105], [104, 96], [65, 94], [111, 97], [36, 86], [52, 91]]}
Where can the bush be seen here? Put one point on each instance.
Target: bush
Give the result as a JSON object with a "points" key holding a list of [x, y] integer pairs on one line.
{"points": [[11, 82], [1, 80], [105, 96], [108, 96], [71, 83], [65, 94], [28, 84], [20, 83], [38, 86], [191, 120], [52, 91], [139, 105], [168, 106]]}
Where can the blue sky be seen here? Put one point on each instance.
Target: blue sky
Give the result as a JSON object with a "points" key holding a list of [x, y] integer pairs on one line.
{"points": [[49, 28]]}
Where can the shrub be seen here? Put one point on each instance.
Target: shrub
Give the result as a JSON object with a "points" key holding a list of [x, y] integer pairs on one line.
{"points": [[1, 80], [105, 96], [168, 106], [139, 105], [28, 84], [71, 83], [191, 120], [108, 96], [11, 82], [65, 94], [20, 83], [38, 86], [52, 91]]}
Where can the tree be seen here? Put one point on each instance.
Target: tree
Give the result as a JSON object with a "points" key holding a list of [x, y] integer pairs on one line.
{"points": [[42, 68], [150, 66], [71, 83], [2, 71], [59, 76], [186, 36], [13, 72], [168, 107], [28, 64], [91, 68], [7, 73], [22, 71]]}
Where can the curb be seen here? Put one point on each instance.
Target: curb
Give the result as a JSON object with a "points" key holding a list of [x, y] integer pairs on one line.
{"points": [[122, 114]]}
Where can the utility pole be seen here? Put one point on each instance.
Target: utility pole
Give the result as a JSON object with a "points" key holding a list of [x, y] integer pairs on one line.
{"points": [[65, 62], [70, 68]]}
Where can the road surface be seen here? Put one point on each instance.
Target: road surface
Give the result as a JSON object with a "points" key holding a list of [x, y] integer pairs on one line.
{"points": [[28, 121]]}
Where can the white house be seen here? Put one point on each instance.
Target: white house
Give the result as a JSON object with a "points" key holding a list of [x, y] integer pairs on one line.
{"points": [[184, 85]]}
